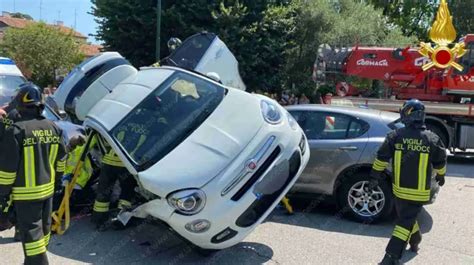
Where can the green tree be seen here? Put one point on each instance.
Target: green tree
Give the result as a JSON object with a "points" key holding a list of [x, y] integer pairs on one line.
{"points": [[40, 50], [21, 15], [463, 16], [342, 23], [129, 27], [259, 40], [412, 17], [275, 41]]}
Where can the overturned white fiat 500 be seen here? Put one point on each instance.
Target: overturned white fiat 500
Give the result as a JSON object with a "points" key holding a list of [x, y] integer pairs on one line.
{"points": [[212, 161]]}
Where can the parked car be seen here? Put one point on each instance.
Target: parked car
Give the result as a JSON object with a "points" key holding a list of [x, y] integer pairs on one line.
{"points": [[10, 79], [211, 161], [343, 143]]}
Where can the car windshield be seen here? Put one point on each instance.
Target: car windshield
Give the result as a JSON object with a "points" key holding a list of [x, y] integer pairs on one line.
{"points": [[166, 117], [10, 82], [8, 86]]}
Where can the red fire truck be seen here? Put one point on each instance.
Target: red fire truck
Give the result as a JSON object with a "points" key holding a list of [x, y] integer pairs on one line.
{"points": [[448, 93]]}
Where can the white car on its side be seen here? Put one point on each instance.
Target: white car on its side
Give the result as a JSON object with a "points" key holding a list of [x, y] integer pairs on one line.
{"points": [[211, 161], [215, 161]]}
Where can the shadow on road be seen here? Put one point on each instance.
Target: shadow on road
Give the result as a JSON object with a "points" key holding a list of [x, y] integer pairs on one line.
{"points": [[460, 167], [7, 240], [327, 217], [148, 243]]}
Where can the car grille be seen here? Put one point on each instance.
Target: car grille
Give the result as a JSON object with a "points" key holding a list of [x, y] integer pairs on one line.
{"points": [[276, 182], [260, 171]]}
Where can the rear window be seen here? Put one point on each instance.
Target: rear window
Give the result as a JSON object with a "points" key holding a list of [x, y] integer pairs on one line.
{"points": [[191, 51]]}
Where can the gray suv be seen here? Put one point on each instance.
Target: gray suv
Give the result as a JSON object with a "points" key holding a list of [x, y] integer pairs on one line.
{"points": [[344, 142]]}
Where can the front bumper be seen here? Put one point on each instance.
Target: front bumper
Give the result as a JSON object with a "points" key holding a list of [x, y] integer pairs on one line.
{"points": [[235, 209]]}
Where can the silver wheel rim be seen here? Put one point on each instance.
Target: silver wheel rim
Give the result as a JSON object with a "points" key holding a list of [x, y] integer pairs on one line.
{"points": [[364, 202]]}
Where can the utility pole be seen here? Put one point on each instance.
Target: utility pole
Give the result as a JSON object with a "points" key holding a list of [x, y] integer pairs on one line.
{"points": [[41, 10], [75, 18], [14, 6], [158, 29]]}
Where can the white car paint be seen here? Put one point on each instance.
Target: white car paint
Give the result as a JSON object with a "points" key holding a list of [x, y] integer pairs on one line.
{"points": [[209, 159]]}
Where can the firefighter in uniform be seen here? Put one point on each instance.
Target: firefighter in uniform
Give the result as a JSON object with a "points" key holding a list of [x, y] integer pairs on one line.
{"points": [[111, 171], [131, 134], [36, 155], [415, 153]]}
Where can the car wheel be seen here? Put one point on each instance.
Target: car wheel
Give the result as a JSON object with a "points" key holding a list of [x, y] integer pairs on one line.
{"points": [[438, 131], [360, 204]]}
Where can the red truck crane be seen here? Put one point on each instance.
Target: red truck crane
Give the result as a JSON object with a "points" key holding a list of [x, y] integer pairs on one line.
{"points": [[447, 93], [440, 74]]}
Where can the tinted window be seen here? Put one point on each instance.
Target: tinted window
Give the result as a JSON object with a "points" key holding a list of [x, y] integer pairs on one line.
{"points": [[166, 117], [191, 51], [357, 128], [325, 125]]}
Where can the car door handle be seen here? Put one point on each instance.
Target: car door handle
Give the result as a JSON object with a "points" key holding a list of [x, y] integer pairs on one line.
{"points": [[348, 148]]}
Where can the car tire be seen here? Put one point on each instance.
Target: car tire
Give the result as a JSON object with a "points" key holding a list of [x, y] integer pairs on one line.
{"points": [[350, 189], [438, 131]]}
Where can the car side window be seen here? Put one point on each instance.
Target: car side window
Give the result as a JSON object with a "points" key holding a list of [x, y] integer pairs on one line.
{"points": [[335, 126], [329, 126], [357, 128]]}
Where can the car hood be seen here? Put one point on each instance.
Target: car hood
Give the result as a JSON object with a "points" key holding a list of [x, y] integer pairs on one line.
{"points": [[209, 149]]}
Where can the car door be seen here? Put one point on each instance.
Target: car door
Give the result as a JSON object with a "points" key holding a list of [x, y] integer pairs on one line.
{"points": [[336, 140]]}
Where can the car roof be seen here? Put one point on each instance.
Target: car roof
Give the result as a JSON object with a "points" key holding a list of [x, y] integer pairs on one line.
{"points": [[8, 67], [368, 113]]}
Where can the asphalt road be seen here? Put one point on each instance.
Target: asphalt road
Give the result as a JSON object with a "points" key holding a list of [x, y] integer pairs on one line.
{"points": [[316, 234]]}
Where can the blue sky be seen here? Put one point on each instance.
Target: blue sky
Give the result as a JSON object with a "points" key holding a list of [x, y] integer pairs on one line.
{"points": [[53, 10]]}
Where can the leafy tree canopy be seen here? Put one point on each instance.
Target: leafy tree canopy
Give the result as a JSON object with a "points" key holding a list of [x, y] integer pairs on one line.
{"points": [[275, 41], [21, 15], [41, 50]]}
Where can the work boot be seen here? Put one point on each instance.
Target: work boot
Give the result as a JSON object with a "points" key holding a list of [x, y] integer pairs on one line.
{"points": [[414, 248], [118, 225], [415, 241], [102, 227], [389, 260]]}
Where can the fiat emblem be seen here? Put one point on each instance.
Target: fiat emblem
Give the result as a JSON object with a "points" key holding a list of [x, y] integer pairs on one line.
{"points": [[251, 165]]}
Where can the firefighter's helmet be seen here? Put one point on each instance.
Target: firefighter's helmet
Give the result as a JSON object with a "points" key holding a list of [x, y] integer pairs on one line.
{"points": [[29, 95], [413, 112], [174, 43]]}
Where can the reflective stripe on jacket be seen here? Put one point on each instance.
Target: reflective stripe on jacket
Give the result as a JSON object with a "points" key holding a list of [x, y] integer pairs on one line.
{"points": [[416, 153], [86, 171], [35, 153]]}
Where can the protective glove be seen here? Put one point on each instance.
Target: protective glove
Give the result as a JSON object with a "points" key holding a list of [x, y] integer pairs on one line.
{"points": [[440, 180]]}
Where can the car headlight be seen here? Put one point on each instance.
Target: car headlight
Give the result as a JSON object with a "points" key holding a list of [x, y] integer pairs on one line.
{"points": [[187, 202], [292, 122], [271, 112]]}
